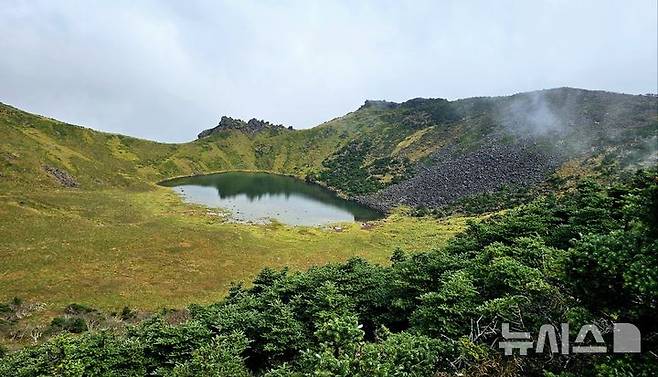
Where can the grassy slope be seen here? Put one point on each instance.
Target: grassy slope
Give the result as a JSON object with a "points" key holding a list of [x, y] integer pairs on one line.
{"points": [[101, 160]]}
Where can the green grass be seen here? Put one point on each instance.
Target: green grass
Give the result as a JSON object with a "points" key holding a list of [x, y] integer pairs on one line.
{"points": [[112, 248]]}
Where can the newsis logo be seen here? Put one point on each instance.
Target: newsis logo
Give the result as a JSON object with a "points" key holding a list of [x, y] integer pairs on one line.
{"points": [[626, 339]]}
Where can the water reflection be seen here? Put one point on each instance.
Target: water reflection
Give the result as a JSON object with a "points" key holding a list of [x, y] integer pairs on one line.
{"points": [[260, 196]]}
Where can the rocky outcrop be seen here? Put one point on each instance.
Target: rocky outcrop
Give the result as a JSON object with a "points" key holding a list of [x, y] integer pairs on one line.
{"points": [[64, 178], [250, 127]]}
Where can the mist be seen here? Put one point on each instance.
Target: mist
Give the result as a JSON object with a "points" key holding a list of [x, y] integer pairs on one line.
{"points": [[167, 70]]}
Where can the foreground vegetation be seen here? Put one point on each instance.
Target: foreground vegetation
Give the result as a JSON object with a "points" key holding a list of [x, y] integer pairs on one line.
{"points": [[586, 257]]}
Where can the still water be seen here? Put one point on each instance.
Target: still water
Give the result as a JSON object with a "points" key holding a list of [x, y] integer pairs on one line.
{"points": [[258, 197]]}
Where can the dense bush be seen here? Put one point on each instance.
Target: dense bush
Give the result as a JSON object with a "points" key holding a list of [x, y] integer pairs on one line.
{"points": [[421, 112], [75, 325], [354, 171], [506, 197], [586, 257], [344, 170]]}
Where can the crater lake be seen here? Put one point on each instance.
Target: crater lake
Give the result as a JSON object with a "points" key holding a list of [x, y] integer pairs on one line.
{"points": [[259, 197]]}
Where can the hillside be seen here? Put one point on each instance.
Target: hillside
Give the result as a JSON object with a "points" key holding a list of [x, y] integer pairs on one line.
{"points": [[447, 150]]}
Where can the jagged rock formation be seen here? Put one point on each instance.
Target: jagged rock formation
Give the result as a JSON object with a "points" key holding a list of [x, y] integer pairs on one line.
{"points": [[251, 127]]}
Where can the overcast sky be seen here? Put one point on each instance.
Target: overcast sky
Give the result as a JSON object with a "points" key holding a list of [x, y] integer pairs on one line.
{"points": [[165, 70]]}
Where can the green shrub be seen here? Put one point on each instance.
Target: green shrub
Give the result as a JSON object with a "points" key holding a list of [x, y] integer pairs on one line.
{"points": [[75, 309], [74, 325]]}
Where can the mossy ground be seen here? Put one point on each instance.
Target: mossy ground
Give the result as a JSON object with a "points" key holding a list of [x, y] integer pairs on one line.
{"points": [[147, 249]]}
